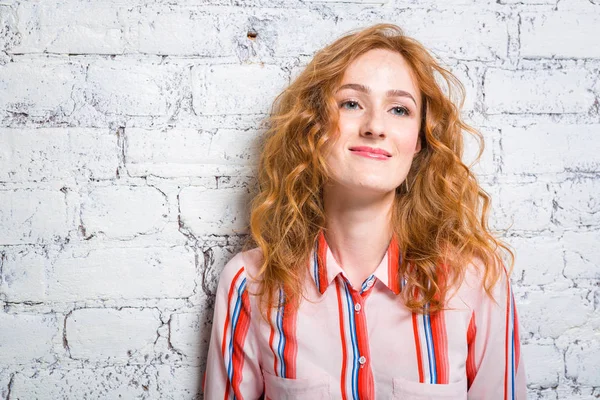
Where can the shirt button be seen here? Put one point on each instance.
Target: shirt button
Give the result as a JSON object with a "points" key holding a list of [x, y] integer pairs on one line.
{"points": [[362, 360], [357, 307]]}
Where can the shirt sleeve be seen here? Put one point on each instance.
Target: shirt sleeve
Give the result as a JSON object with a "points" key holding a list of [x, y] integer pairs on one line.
{"points": [[495, 367], [232, 367]]}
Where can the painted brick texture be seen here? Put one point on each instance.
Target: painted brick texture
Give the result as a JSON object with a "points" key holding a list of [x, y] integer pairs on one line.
{"points": [[129, 132]]}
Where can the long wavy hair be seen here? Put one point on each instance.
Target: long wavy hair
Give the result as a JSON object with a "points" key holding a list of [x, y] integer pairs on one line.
{"points": [[442, 217]]}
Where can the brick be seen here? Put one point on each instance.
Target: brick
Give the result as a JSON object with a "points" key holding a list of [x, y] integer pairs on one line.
{"points": [[6, 375], [495, 212], [547, 355], [123, 211], [525, 206], [528, 2], [187, 31], [9, 32], [549, 148], [551, 314], [83, 28], [275, 29], [538, 260], [40, 87], [578, 6], [180, 382], [120, 336], [537, 91], [31, 274], [578, 203], [57, 154], [214, 211], [26, 338], [459, 33], [32, 216], [215, 258], [108, 274], [545, 394], [467, 75], [350, 1], [236, 89], [487, 165], [23, 274], [189, 334], [583, 362], [127, 88], [112, 382], [190, 152], [582, 255], [570, 35]]}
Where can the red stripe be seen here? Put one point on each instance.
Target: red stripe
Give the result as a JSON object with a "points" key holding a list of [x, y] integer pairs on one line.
{"points": [[322, 261], [271, 341], [440, 340], [232, 290], [506, 336], [439, 334], [229, 296], [471, 369], [239, 337], [418, 347], [516, 337], [366, 386], [343, 337], [393, 268], [291, 345]]}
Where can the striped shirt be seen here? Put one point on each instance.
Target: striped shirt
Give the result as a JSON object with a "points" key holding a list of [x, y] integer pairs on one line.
{"points": [[361, 343]]}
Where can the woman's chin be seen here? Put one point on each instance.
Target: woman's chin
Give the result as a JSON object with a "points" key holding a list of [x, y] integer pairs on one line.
{"points": [[366, 188]]}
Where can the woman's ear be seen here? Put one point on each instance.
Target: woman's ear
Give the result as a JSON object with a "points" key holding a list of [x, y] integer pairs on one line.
{"points": [[418, 146]]}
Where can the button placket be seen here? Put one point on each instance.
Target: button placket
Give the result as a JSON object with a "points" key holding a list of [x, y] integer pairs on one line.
{"points": [[363, 363]]}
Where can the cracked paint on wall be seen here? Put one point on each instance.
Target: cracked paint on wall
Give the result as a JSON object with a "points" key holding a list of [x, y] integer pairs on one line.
{"points": [[129, 134]]}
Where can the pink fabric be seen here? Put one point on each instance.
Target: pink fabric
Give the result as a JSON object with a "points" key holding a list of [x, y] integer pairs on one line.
{"points": [[361, 343]]}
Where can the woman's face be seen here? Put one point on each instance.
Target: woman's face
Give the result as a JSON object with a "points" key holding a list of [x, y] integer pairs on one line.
{"points": [[379, 120]]}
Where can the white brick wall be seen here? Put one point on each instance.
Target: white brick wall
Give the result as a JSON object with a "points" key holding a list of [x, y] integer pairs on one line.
{"points": [[128, 136]]}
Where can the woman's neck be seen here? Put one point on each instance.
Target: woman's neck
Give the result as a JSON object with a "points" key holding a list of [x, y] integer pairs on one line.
{"points": [[358, 231]]}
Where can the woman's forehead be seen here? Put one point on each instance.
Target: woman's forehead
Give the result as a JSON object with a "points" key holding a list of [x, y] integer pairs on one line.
{"points": [[381, 70]]}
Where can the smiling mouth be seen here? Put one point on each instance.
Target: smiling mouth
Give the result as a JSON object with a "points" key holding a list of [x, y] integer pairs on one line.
{"points": [[370, 152]]}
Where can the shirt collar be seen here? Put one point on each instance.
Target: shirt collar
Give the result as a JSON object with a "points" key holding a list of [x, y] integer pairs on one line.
{"points": [[324, 267]]}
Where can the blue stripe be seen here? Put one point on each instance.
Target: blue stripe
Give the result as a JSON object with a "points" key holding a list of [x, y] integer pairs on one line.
{"points": [[364, 285], [512, 342], [234, 321], [316, 269], [430, 346], [350, 304], [281, 345]]}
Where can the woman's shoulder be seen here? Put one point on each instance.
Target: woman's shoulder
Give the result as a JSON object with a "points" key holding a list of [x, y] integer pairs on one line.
{"points": [[242, 266], [477, 275]]}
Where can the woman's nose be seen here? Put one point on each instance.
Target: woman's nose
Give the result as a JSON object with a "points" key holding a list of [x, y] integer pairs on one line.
{"points": [[373, 125]]}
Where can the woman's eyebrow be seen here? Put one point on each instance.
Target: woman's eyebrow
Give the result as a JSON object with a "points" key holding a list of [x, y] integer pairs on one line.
{"points": [[389, 93]]}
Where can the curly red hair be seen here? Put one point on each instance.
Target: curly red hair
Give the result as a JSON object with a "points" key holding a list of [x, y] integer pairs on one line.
{"points": [[441, 219]]}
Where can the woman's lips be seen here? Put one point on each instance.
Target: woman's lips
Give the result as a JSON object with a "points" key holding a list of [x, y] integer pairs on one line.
{"points": [[370, 152]]}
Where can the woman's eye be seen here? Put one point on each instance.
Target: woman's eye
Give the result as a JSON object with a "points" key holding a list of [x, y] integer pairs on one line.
{"points": [[350, 105], [401, 111]]}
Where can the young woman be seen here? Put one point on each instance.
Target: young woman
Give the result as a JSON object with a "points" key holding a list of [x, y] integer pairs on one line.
{"points": [[374, 274]]}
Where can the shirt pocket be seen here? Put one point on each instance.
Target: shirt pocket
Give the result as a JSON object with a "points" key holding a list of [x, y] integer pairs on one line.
{"points": [[409, 390], [317, 388]]}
